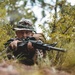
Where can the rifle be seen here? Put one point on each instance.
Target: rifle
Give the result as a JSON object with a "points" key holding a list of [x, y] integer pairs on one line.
{"points": [[40, 45]]}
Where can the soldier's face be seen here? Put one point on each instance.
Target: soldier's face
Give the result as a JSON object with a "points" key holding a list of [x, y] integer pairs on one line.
{"points": [[23, 33]]}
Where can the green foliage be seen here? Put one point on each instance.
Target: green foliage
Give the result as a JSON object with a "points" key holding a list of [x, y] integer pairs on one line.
{"points": [[9, 30], [3, 38], [64, 34], [5, 34], [69, 60], [2, 12]]}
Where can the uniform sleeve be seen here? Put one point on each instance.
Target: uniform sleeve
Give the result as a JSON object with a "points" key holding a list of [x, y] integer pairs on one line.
{"points": [[39, 36], [9, 51]]}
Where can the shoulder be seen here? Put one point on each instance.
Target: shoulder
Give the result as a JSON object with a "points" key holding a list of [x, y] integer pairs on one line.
{"points": [[39, 36]]}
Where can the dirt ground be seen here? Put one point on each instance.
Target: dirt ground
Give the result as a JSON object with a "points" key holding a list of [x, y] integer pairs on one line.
{"points": [[20, 69]]}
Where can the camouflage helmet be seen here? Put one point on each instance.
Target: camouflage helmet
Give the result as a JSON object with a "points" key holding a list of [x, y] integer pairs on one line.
{"points": [[24, 24]]}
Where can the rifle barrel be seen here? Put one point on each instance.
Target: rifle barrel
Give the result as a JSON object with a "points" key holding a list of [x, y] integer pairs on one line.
{"points": [[57, 49]]}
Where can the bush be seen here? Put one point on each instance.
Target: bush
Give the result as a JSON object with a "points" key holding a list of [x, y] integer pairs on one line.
{"points": [[5, 34]]}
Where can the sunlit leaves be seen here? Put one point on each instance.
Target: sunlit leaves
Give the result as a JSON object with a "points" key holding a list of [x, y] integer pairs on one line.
{"points": [[64, 33], [2, 13], [2, 9], [5, 34], [3, 38]]}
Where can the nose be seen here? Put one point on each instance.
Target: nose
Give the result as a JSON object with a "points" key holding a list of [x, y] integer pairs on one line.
{"points": [[24, 35]]}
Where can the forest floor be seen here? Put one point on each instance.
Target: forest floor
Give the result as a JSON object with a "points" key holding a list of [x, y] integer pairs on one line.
{"points": [[12, 68]]}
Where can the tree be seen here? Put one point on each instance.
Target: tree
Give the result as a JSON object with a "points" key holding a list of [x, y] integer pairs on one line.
{"points": [[64, 31]]}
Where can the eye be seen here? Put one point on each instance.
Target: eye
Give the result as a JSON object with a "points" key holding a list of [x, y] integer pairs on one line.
{"points": [[27, 32], [20, 32]]}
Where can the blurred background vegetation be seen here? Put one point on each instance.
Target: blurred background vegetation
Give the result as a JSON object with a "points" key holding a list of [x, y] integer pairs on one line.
{"points": [[57, 23]]}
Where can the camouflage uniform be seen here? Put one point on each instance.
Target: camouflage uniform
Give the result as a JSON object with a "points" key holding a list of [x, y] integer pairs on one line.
{"points": [[24, 55]]}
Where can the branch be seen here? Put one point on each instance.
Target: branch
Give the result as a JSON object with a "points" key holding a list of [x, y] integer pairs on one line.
{"points": [[66, 30]]}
